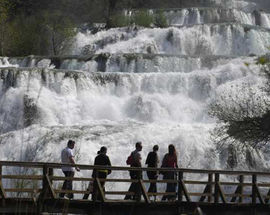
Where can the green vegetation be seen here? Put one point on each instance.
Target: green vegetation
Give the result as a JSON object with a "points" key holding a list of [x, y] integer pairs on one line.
{"points": [[46, 27], [160, 20], [40, 34], [119, 21], [5, 7], [59, 29], [24, 36], [143, 18]]}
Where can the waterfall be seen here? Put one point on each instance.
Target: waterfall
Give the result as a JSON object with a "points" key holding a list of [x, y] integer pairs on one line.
{"points": [[131, 84]]}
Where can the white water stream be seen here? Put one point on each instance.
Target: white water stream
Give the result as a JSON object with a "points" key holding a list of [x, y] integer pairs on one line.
{"points": [[160, 98]]}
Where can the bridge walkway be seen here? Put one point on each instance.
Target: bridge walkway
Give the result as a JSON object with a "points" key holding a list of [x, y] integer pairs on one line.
{"points": [[33, 188]]}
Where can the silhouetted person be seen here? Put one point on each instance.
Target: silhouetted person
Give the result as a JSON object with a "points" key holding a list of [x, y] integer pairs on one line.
{"points": [[135, 174], [67, 157], [101, 160], [152, 160], [170, 161]]}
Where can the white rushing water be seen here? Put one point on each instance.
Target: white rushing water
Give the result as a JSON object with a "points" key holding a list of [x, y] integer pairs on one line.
{"points": [[112, 109], [133, 84], [206, 15], [207, 39]]}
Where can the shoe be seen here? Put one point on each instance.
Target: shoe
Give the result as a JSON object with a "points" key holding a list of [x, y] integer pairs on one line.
{"points": [[127, 198]]}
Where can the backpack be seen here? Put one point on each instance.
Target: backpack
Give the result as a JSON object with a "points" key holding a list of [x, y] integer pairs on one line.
{"points": [[129, 160]]}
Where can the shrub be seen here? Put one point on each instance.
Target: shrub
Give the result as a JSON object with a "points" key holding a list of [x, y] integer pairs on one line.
{"points": [[143, 18], [160, 20], [24, 36], [119, 21]]}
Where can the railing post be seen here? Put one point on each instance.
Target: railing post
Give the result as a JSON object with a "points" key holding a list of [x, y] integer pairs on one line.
{"points": [[254, 182], [241, 181], [210, 181], [50, 174], [2, 192], [180, 190], [216, 188], [44, 180], [43, 190], [46, 187]]}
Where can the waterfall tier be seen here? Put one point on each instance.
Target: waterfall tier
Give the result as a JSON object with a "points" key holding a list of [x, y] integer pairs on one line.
{"points": [[123, 85], [204, 15], [133, 63], [203, 39]]}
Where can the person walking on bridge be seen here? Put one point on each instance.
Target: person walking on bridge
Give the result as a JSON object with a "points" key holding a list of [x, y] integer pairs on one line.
{"points": [[152, 160], [101, 160], [67, 157], [134, 160], [170, 161]]}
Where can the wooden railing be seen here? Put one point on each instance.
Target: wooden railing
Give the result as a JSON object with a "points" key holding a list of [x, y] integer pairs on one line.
{"points": [[39, 181]]}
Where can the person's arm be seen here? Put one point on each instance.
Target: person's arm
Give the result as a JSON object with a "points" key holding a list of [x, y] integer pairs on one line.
{"points": [[109, 164], [139, 160], [156, 160], [71, 159], [176, 163], [164, 161], [94, 170], [147, 159]]}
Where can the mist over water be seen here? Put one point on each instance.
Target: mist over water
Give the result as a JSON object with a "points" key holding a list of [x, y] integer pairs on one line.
{"points": [[133, 84]]}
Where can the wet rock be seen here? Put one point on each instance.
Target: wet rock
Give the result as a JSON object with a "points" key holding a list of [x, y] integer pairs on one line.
{"points": [[30, 111]]}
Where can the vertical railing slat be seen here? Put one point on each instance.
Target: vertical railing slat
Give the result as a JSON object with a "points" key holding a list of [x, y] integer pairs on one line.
{"points": [[241, 181], [216, 194], [180, 190], [254, 182], [2, 191], [210, 181]]}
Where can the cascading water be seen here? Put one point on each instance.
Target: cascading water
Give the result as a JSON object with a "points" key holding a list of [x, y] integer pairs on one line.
{"points": [[130, 84]]}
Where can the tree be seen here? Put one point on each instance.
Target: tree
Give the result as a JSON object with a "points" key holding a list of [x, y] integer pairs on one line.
{"points": [[244, 112], [25, 36], [5, 7], [60, 30]]}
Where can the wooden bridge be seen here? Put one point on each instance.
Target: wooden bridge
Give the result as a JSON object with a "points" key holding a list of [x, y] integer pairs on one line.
{"points": [[33, 188]]}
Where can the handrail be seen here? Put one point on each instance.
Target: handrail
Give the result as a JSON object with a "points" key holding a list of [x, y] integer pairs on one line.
{"points": [[210, 190], [91, 167]]}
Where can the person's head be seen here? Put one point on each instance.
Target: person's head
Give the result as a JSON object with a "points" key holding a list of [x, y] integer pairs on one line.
{"points": [[155, 148], [171, 149], [71, 144], [103, 150], [138, 146]]}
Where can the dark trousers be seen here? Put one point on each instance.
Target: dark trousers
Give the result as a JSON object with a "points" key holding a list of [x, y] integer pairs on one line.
{"points": [[89, 189], [96, 194], [171, 187], [67, 184], [135, 186], [152, 175]]}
